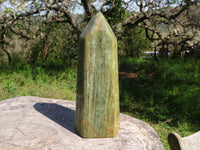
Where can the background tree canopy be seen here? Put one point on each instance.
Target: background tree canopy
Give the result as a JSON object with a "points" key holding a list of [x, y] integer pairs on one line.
{"points": [[49, 29]]}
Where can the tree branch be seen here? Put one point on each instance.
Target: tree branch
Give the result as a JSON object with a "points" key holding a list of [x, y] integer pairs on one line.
{"points": [[88, 8]]}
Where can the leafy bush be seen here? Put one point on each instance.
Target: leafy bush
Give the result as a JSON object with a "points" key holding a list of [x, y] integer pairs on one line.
{"points": [[133, 42], [56, 44]]}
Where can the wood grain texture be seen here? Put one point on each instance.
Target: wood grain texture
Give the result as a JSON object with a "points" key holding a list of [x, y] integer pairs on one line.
{"points": [[97, 103]]}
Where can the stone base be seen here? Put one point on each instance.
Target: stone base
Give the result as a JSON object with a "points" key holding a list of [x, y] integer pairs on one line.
{"points": [[36, 123]]}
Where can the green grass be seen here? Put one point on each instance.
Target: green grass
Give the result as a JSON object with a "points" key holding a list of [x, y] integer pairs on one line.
{"points": [[164, 90], [166, 93], [37, 80]]}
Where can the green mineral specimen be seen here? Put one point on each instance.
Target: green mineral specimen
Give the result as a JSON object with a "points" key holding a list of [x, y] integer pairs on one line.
{"points": [[97, 101]]}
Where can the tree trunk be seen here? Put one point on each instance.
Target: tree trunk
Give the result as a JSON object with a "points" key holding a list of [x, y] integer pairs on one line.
{"points": [[7, 53]]}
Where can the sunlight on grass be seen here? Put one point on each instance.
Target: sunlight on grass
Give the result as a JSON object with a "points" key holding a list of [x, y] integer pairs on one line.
{"points": [[27, 81]]}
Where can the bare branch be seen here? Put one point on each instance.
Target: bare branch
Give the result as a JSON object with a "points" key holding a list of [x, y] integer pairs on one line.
{"points": [[88, 8]]}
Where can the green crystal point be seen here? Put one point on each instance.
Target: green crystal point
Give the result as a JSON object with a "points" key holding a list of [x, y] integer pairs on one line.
{"points": [[97, 101]]}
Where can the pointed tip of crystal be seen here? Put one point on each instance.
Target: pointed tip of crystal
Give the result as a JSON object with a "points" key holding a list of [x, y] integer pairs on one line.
{"points": [[99, 14], [97, 22]]}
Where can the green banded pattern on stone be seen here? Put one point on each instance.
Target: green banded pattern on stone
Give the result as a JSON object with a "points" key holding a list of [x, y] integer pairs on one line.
{"points": [[97, 102]]}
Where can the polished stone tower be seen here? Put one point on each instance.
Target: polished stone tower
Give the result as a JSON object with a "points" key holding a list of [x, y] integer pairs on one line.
{"points": [[97, 101]]}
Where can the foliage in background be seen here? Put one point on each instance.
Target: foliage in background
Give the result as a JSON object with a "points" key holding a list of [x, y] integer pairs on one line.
{"points": [[117, 13], [169, 28], [55, 45], [164, 89], [132, 42]]}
